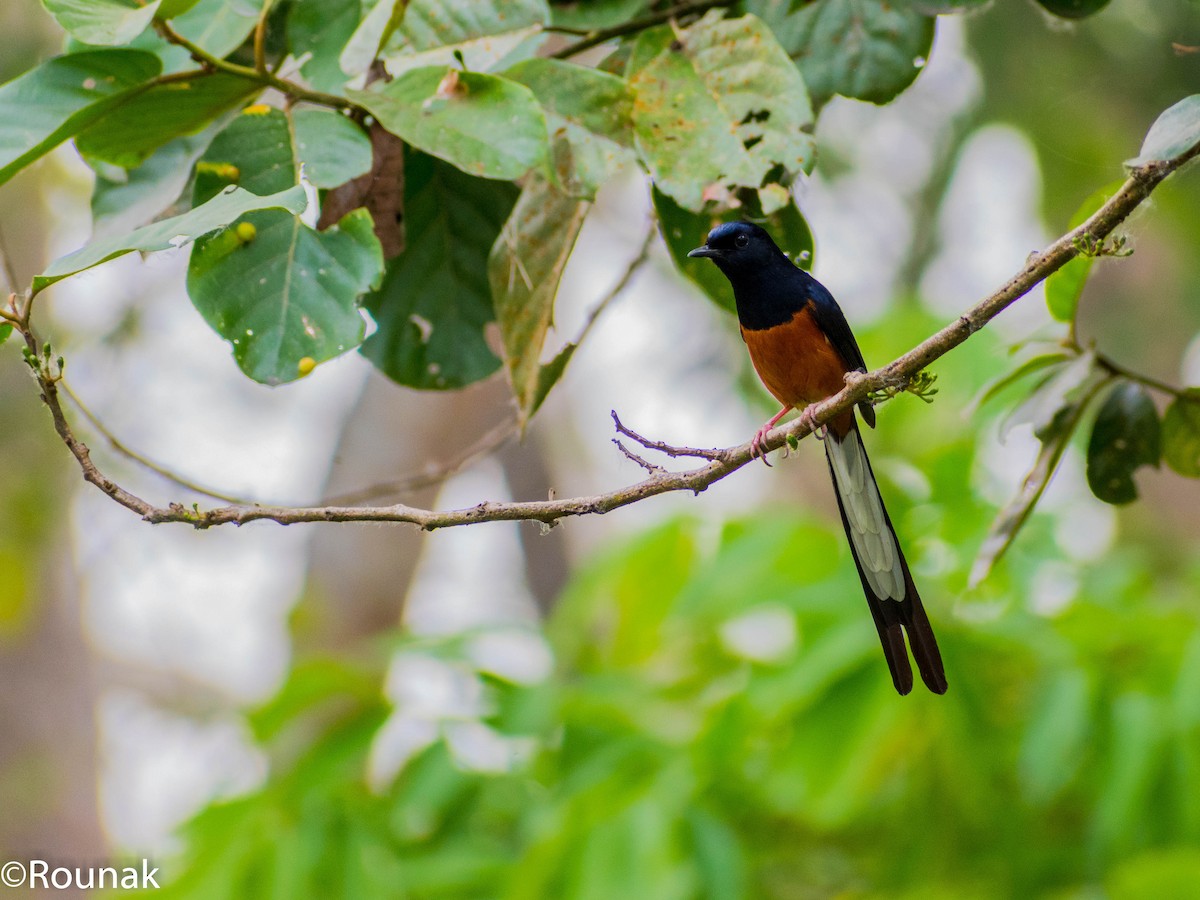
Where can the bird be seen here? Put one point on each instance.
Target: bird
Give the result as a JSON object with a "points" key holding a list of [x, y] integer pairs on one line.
{"points": [[802, 348]]}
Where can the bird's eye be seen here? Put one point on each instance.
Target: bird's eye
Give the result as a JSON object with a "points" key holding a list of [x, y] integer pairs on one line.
{"points": [[741, 240]]}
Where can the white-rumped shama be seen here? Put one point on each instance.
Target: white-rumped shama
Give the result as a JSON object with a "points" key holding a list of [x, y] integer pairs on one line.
{"points": [[802, 349]]}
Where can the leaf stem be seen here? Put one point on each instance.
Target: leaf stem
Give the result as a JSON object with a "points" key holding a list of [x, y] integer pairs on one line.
{"points": [[264, 77]]}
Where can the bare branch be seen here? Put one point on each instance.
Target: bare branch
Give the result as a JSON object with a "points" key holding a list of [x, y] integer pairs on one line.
{"points": [[669, 450], [1141, 182], [644, 463]]}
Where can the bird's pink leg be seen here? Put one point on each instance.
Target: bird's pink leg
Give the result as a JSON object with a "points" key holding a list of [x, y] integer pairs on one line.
{"points": [[756, 443]]}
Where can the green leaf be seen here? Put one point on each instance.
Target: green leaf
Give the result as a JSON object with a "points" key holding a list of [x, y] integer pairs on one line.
{"points": [[128, 135], [435, 300], [44, 107], [483, 124], [141, 194], [279, 291], [1055, 740], [722, 106], [1126, 435], [524, 269], [1027, 368], [1181, 436], [1054, 408], [588, 114], [429, 24], [935, 7], [1052, 397], [369, 38], [5, 332], [219, 26], [1073, 9], [332, 148], [169, 9], [487, 36], [322, 28], [1136, 759], [866, 49], [1173, 133], [589, 14], [1065, 287], [102, 22], [171, 233], [289, 294], [683, 231]]}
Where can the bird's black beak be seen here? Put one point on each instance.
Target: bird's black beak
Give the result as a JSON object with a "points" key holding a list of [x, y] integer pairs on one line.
{"points": [[705, 252]]}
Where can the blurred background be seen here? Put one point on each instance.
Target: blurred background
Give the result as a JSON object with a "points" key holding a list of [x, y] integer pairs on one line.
{"points": [[684, 698]]}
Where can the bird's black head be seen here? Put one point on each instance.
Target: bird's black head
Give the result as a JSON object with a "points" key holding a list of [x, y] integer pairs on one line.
{"points": [[738, 247]]}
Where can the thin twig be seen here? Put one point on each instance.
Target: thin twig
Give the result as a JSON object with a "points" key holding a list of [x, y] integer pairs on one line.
{"points": [[260, 40], [1140, 184], [601, 35], [667, 449], [485, 446], [143, 461], [265, 78], [6, 266], [619, 287], [644, 463], [1112, 366]]}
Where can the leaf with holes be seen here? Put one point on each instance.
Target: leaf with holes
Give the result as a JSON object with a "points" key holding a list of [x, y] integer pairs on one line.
{"points": [[62, 96], [1173, 133], [483, 124], [171, 233], [866, 49], [102, 22], [524, 269], [435, 300], [277, 290], [128, 135], [287, 294], [684, 230], [588, 115], [720, 106], [1125, 436], [1181, 434]]}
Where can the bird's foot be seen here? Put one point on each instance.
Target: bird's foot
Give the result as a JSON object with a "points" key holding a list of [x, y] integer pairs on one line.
{"points": [[757, 448], [809, 418]]}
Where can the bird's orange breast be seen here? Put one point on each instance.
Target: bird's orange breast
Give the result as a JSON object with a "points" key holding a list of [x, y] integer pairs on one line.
{"points": [[796, 362]]}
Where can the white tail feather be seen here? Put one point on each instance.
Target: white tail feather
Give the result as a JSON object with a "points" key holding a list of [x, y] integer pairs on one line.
{"points": [[874, 543]]}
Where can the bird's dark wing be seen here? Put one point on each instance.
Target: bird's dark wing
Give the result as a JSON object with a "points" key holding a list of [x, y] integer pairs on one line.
{"points": [[832, 321]]}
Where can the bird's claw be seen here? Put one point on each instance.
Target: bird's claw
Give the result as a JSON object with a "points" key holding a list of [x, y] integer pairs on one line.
{"points": [[809, 418], [757, 450]]}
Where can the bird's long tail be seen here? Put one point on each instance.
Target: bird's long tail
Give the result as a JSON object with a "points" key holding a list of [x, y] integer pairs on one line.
{"points": [[891, 594]]}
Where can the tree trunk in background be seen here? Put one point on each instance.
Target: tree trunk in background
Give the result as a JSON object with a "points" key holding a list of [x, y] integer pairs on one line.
{"points": [[359, 575]]}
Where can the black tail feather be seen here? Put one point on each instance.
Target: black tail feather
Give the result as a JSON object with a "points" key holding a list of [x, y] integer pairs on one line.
{"points": [[893, 619]]}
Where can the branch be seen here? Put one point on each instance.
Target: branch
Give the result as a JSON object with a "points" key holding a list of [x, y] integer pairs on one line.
{"points": [[264, 77], [1140, 184], [600, 35]]}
